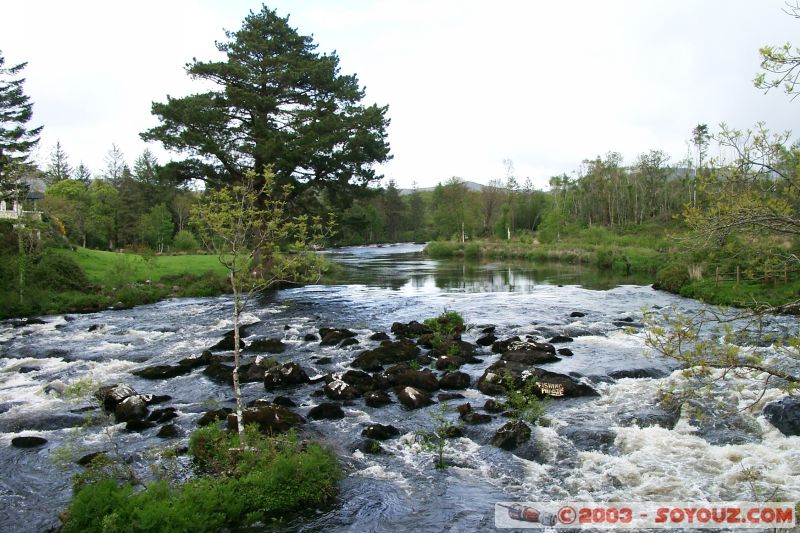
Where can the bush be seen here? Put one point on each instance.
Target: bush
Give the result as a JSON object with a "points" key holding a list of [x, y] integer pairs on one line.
{"points": [[274, 478], [472, 250], [58, 272], [185, 241], [671, 278]]}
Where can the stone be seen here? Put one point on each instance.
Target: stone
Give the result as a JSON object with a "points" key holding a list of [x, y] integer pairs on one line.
{"points": [[784, 415], [380, 432], [284, 401], [203, 359], [413, 398], [87, 459], [548, 384], [324, 361], [227, 343], [387, 353], [339, 390], [474, 418], [265, 345], [310, 337], [412, 329], [377, 398], [350, 341], [492, 406], [403, 375], [269, 418], [591, 438], [637, 373], [447, 396], [28, 442], [511, 435], [209, 417], [332, 337], [486, 340], [111, 395], [577, 314], [566, 352], [170, 431], [136, 426], [326, 411], [286, 374], [379, 336], [162, 371], [159, 416], [560, 339], [363, 382], [454, 380], [131, 408], [529, 353], [369, 446]]}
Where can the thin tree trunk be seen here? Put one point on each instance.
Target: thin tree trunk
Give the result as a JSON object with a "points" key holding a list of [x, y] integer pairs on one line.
{"points": [[237, 391]]}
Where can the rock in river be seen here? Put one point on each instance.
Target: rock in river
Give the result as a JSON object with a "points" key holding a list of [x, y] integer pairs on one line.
{"points": [[387, 353], [784, 415], [326, 411], [413, 398], [512, 435], [552, 384], [269, 418]]}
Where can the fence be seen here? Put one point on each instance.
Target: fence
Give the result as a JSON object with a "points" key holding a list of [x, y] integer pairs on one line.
{"points": [[765, 275]]}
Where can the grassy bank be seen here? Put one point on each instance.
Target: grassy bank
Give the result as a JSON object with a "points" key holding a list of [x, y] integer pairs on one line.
{"points": [[67, 281]]}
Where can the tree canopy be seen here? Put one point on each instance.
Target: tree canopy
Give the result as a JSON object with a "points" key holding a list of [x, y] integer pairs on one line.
{"points": [[281, 103]]}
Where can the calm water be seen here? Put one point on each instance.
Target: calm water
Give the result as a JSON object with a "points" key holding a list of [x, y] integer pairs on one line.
{"points": [[593, 450]]}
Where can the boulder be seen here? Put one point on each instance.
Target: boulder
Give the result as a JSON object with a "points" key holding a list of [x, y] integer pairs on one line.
{"points": [[637, 373], [454, 380], [159, 416], [339, 390], [589, 438], [387, 353], [228, 343], [413, 398], [511, 435], [203, 359], [251, 373], [369, 446], [111, 395], [331, 337], [493, 406], [363, 382], [284, 401], [265, 345], [350, 341], [577, 314], [529, 353], [286, 374], [162, 371], [137, 426], [324, 361], [310, 337], [548, 384], [560, 339], [377, 398], [447, 396], [449, 362], [379, 336], [651, 415], [269, 418], [474, 418], [219, 373], [486, 340], [209, 417], [488, 329], [170, 431], [566, 352], [326, 411], [412, 329], [131, 408], [380, 432], [403, 375], [784, 415], [28, 442]]}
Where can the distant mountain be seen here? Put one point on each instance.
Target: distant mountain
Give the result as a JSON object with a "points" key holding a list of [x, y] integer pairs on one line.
{"points": [[471, 186]]}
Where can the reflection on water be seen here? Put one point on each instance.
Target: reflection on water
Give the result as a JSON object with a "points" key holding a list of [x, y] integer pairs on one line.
{"points": [[403, 267]]}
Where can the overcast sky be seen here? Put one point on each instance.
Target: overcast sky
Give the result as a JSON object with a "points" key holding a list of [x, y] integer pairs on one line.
{"points": [[545, 84]]}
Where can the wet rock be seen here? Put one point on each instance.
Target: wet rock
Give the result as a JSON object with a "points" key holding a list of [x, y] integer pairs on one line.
{"points": [[528, 353], [137, 426], [551, 384], [131, 408], [369, 446], [159, 416], [402, 375], [324, 361], [577, 314], [454, 380], [380, 432], [387, 353], [283, 401], [269, 418], [453, 432], [652, 415], [219, 373], [502, 346], [195, 362], [377, 398], [251, 373], [511, 435], [637, 373], [209, 417], [111, 395], [170, 431], [28, 369], [591, 438], [87, 459], [349, 342], [286, 374], [626, 319], [447, 396], [326, 411], [412, 329], [488, 329], [472, 418], [493, 406], [228, 343], [464, 408], [310, 337], [265, 345], [625, 324], [560, 339], [151, 399], [413, 398], [339, 390], [28, 442], [40, 421], [486, 340], [379, 336], [95, 327], [331, 337], [363, 382], [784, 415], [162, 371], [566, 352], [449, 362]]}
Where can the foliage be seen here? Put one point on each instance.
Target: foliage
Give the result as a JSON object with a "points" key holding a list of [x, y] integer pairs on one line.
{"points": [[447, 324], [781, 63], [277, 101], [16, 110], [156, 227], [185, 241], [59, 272], [436, 441], [672, 277], [272, 479], [523, 403]]}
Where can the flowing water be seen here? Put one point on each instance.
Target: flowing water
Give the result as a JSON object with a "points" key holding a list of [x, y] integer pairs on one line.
{"points": [[606, 448]]}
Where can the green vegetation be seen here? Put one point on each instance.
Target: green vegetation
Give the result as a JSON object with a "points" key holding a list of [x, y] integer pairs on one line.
{"points": [[271, 480], [436, 441], [523, 403]]}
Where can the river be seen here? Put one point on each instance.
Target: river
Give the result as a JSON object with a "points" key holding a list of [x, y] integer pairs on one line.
{"points": [[605, 448]]}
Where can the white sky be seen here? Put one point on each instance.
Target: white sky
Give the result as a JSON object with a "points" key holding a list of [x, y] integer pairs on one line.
{"points": [[468, 84]]}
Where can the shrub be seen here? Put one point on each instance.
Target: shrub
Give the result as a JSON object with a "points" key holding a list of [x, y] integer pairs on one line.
{"points": [[472, 250], [671, 278], [58, 272], [185, 241], [446, 324]]}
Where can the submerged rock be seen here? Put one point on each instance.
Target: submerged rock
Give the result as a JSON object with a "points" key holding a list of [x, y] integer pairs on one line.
{"points": [[331, 337], [265, 345], [784, 415], [228, 342], [326, 411], [637, 373], [589, 438], [560, 339], [269, 418], [380, 432], [162, 371], [369, 446], [28, 442], [413, 398]]}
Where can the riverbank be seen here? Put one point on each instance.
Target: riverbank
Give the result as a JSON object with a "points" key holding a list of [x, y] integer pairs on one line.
{"points": [[84, 280]]}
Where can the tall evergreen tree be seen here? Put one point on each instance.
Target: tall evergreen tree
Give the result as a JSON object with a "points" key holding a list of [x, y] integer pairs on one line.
{"points": [[278, 102], [59, 168], [16, 111]]}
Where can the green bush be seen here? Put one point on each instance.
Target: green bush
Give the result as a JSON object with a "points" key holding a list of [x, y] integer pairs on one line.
{"points": [[276, 477], [671, 278], [448, 323], [472, 250], [58, 272], [443, 249], [185, 241]]}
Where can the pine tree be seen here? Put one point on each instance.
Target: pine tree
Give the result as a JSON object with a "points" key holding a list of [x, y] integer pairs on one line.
{"points": [[59, 168]]}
